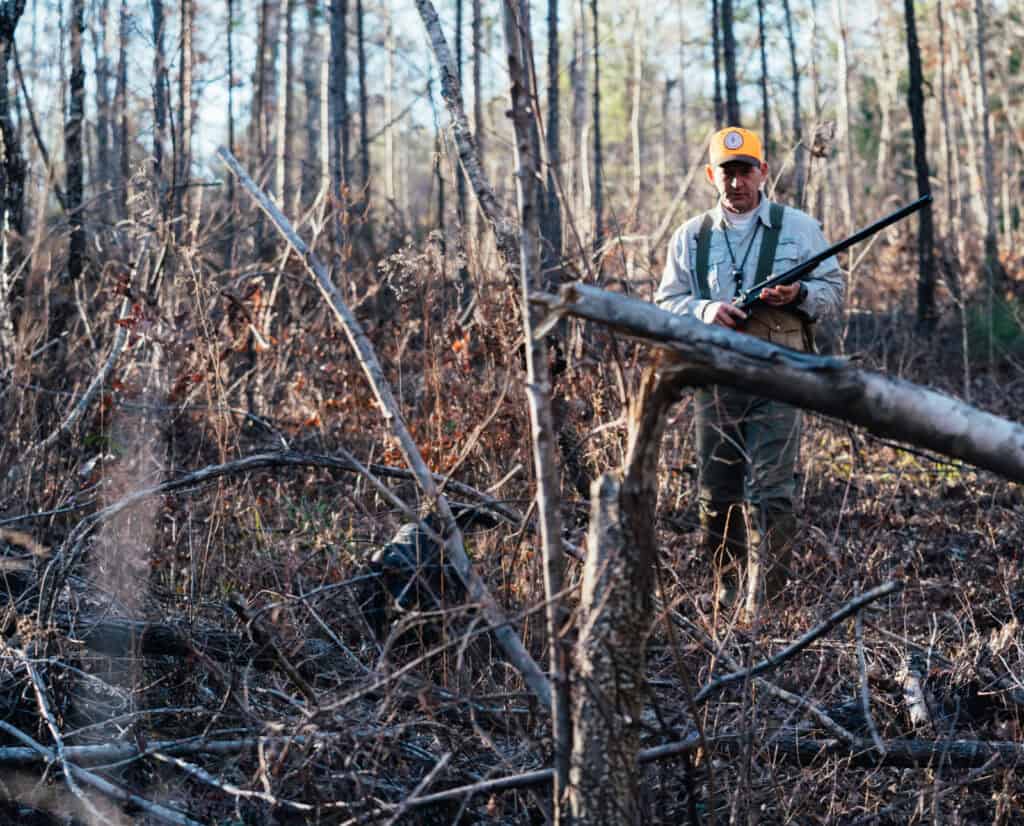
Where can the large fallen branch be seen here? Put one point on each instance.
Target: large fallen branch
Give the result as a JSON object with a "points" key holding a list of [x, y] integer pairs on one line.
{"points": [[887, 406]]}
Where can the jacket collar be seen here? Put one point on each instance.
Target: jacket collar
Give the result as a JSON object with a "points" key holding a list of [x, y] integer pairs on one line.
{"points": [[762, 213]]}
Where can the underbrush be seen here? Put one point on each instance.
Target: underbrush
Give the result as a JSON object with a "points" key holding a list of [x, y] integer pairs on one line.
{"points": [[220, 625]]}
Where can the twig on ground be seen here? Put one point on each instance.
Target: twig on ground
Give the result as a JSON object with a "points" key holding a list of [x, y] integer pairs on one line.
{"points": [[865, 691], [791, 650], [101, 784]]}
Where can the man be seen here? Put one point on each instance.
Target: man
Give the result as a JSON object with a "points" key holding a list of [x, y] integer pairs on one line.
{"points": [[747, 446]]}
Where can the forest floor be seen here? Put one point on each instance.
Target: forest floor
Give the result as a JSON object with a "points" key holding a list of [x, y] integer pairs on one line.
{"points": [[217, 630]]}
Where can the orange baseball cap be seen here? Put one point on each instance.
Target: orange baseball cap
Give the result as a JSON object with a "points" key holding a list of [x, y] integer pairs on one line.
{"points": [[735, 144]]}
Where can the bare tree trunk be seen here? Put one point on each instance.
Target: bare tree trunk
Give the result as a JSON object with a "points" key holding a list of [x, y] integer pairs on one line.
{"points": [[160, 89], [716, 51], [102, 46], [439, 219], [888, 83], [597, 188], [231, 90], [339, 94], [364, 105], [800, 147], [308, 168], [578, 114], [616, 614], [460, 179], [766, 128], [284, 183], [506, 235], [478, 92], [122, 140], [265, 50], [995, 275], [665, 142], [926, 318], [970, 118], [183, 167], [954, 204], [229, 235], [636, 85], [551, 218], [684, 137], [530, 199], [390, 183], [732, 99], [73, 146], [843, 115], [12, 194]]}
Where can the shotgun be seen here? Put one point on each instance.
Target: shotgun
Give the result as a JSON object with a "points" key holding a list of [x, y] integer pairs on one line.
{"points": [[747, 298]]}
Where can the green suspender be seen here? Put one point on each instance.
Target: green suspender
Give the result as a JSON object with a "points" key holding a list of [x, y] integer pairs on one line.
{"points": [[765, 259], [703, 256], [769, 242]]}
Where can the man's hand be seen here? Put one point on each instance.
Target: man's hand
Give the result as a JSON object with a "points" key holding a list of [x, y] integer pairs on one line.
{"points": [[780, 296], [725, 314]]}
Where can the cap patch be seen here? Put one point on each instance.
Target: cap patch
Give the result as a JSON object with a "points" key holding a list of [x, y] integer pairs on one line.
{"points": [[733, 140]]}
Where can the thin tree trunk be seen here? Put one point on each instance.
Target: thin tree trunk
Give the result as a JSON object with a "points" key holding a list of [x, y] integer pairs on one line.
{"points": [[926, 234], [551, 226], [261, 81], [970, 117], [597, 192], [460, 179], [577, 125], [716, 52], [667, 129], [182, 199], [160, 87], [952, 169], [843, 115], [684, 138], [312, 58], [73, 145], [766, 128], [478, 106], [229, 235], [506, 235], [636, 86], [102, 45], [339, 94], [284, 183], [390, 184], [231, 90], [994, 273], [529, 199], [732, 100], [800, 148], [364, 105], [439, 219], [12, 194], [123, 135], [888, 83]]}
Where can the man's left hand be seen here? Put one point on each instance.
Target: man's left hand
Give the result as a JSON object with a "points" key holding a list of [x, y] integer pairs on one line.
{"points": [[780, 296]]}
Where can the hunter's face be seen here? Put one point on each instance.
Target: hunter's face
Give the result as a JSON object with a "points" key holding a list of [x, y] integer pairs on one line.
{"points": [[738, 184]]}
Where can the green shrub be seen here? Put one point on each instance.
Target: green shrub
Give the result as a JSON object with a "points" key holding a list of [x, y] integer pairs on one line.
{"points": [[1001, 321]]}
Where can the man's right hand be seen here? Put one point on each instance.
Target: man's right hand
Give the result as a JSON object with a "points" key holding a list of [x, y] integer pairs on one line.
{"points": [[725, 314]]}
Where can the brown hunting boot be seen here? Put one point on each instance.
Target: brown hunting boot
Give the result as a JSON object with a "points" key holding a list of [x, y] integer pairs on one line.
{"points": [[724, 541], [773, 536]]}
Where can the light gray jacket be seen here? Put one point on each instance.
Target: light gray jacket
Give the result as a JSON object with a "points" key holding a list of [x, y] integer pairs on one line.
{"points": [[801, 237]]}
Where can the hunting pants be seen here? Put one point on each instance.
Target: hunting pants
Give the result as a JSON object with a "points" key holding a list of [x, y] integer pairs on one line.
{"points": [[747, 450]]}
